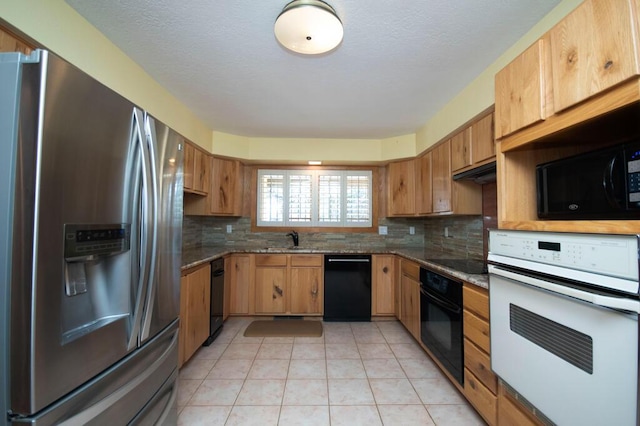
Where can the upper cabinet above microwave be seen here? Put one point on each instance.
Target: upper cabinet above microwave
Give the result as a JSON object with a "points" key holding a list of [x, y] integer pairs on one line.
{"points": [[582, 68]]}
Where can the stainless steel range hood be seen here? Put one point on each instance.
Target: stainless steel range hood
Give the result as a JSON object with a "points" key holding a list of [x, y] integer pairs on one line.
{"points": [[480, 175]]}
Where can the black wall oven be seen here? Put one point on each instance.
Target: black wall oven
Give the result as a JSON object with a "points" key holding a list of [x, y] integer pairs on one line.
{"points": [[441, 320]]}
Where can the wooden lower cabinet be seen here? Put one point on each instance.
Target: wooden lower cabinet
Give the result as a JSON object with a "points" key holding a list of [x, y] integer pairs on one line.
{"points": [[410, 297], [195, 299], [383, 285], [480, 384], [237, 273], [512, 412], [289, 284]]}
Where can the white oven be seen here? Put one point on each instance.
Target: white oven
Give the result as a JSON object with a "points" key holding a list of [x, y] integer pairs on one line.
{"points": [[564, 323]]}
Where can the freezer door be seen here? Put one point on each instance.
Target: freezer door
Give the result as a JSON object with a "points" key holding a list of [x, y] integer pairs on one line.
{"points": [[73, 254], [140, 389], [165, 155]]}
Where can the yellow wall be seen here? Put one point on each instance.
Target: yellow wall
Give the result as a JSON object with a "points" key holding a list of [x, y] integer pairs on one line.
{"points": [[59, 28], [55, 25]]}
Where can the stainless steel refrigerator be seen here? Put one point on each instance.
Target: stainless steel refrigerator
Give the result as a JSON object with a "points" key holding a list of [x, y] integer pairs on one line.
{"points": [[90, 234]]}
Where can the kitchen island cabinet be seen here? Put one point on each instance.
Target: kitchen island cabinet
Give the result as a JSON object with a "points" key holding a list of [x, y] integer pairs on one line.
{"points": [[195, 297]]}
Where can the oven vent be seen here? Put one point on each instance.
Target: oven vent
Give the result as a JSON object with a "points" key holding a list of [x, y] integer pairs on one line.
{"points": [[572, 346]]}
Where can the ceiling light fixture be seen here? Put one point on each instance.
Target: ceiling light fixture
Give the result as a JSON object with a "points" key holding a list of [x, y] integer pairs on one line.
{"points": [[314, 163], [310, 27]]}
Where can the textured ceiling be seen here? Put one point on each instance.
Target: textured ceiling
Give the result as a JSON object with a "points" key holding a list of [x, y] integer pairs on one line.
{"points": [[399, 62]]}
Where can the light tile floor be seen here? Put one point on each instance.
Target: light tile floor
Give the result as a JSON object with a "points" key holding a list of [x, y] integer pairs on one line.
{"points": [[355, 374]]}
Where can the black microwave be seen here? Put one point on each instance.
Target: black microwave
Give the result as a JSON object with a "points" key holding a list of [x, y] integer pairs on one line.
{"points": [[603, 184]]}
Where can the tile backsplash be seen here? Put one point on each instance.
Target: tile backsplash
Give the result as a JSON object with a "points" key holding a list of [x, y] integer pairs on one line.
{"points": [[464, 235]]}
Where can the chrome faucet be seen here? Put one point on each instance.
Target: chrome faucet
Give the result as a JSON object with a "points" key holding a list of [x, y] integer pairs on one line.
{"points": [[294, 236]]}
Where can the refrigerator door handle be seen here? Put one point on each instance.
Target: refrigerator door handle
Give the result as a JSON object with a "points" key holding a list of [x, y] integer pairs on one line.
{"points": [[150, 143], [138, 226]]}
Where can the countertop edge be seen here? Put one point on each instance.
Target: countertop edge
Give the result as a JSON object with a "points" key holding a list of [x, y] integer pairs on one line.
{"points": [[203, 255]]}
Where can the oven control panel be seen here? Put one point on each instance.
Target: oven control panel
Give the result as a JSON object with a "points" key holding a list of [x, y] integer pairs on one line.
{"points": [[615, 255]]}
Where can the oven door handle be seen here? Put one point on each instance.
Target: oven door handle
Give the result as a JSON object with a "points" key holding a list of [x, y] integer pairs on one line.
{"points": [[451, 307], [611, 302]]}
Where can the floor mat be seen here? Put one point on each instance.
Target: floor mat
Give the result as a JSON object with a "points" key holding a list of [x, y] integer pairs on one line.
{"points": [[286, 328]]}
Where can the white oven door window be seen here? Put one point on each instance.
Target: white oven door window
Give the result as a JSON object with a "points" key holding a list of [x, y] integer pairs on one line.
{"points": [[576, 362]]}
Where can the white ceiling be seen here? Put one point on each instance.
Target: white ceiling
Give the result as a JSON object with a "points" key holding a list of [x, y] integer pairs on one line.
{"points": [[399, 62]]}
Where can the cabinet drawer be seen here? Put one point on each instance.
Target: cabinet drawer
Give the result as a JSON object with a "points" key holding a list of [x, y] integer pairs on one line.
{"points": [[476, 300], [271, 260], [482, 399], [479, 364], [306, 260], [410, 269], [476, 330]]}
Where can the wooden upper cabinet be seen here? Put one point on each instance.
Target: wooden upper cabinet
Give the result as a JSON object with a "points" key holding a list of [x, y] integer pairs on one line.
{"points": [[441, 177], [226, 187], [401, 177], [483, 145], [195, 170], [461, 149], [593, 48], [520, 91], [424, 192], [11, 43]]}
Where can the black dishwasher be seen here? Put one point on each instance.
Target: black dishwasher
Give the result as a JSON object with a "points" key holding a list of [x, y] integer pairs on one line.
{"points": [[347, 287], [217, 300]]}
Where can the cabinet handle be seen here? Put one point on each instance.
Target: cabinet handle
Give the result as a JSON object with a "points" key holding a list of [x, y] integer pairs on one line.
{"points": [[472, 384], [608, 65], [314, 292], [385, 270], [278, 290]]}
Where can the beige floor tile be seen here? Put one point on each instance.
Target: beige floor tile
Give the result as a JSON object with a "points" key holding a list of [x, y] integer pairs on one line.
{"points": [[363, 415], [269, 369], [186, 389], [393, 391], [241, 351], [437, 391], [345, 369], [245, 340], [306, 392], [408, 350], [423, 368], [292, 415], [369, 336], [454, 415], [253, 416], [342, 351], [261, 392], [307, 369], [230, 369], [308, 351], [383, 369], [205, 416], [405, 415], [216, 392], [375, 351], [213, 351], [196, 368], [309, 340], [350, 392], [275, 351], [278, 340]]}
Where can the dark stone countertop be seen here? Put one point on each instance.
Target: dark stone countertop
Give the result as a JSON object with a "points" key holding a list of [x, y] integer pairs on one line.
{"points": [[192, 257]]}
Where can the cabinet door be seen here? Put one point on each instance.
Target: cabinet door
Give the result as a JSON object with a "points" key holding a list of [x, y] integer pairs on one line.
{"points": [[239, 274], [11, 43], [483, 145], [189, 165], [270, 290], [410, 311], [195, 300], [305, 291], [383, 292], [401, 182], [201, 172], [461, 149], [593, 48], [520, 90], [424, 193], [441, 177], [184, 290], [226, 187]]}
